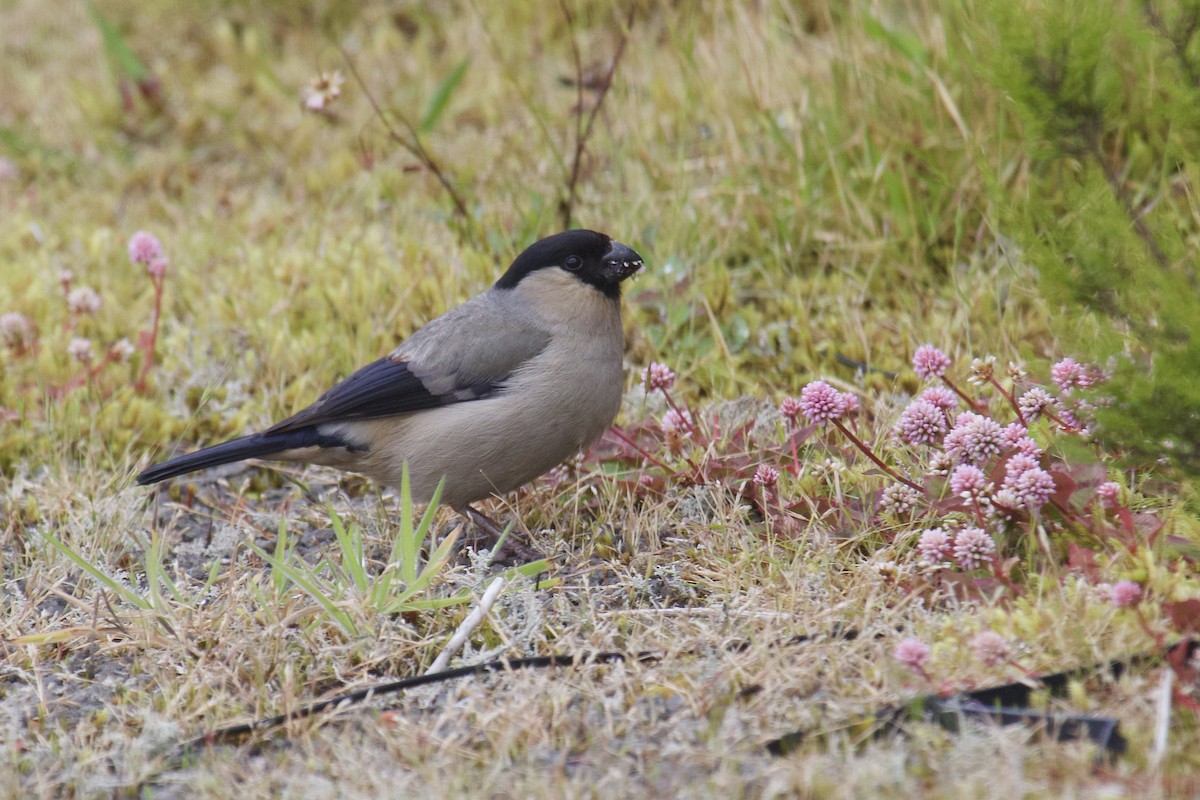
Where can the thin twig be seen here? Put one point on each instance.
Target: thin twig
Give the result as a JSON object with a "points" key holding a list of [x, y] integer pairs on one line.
{"points": [[412, 145], [468, 625], [567, 207]]}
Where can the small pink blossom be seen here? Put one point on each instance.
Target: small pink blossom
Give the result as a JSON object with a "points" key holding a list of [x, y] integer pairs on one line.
{"points": [[912, 653], [1016, 437], [144, 248], [1018, 464], [122, 350], [991, 648], [1069, 374], [852, 405], [899, 499], [1109, 494], [678, 422], [790, 408], [969, 482], [323, 90], [973, 548], [930, 362], [1030, 489], [1124, 593], [921, 422], [81, 350], [658, 376], [941, 397], [983, 370], [820, 402], [83, 300], [16, 330], [766, 476], [935, 546], [974, 439], [158, 267], [1035, 402]]}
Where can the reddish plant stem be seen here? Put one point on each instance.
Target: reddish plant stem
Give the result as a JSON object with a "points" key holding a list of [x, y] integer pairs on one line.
{"points": [[148, 362], [1012, 401], [867, 452], [642, 452], [973, 404]]}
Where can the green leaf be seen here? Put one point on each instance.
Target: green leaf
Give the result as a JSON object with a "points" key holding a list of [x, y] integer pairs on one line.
{"points": [[118, 588], [124, 61], [441, 96]]}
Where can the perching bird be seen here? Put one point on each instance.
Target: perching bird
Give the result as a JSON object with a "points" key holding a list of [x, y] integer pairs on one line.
{"points": [[490, 395]]}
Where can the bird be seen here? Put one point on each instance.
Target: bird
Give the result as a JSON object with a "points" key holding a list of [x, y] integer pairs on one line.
{"points": [[486, 397]]}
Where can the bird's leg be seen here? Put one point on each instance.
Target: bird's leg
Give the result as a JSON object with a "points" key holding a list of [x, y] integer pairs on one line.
{"points": [[512, 549]]}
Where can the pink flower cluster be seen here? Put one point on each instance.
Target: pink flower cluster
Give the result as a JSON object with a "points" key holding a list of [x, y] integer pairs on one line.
{"points": [[912, 653], [1069, 374], [929, 362], [658, 376], [1124, 593], [144, 248], [974, 439], [970, 547], [820, 402]]}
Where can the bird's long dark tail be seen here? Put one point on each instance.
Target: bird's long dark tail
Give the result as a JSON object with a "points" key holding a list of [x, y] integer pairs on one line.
{"points": [[257, 445]]}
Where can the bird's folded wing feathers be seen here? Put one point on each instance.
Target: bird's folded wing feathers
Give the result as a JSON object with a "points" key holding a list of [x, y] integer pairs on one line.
{"points": [[455, 358]]}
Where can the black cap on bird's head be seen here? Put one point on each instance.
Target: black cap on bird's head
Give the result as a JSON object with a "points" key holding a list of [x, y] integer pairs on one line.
{"points": [[592, 257]]}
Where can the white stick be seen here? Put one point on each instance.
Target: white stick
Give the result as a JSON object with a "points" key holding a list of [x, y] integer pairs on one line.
{"points": [[1162, 722], [467, 626]]}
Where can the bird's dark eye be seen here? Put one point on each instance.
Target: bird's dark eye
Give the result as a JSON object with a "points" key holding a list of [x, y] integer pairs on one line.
{"points": [[573, 263]]}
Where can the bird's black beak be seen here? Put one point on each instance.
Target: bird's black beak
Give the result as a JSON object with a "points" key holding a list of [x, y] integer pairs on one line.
{"points": [[620, 262]]}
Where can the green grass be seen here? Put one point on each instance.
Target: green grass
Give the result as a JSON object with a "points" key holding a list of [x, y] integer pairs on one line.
{"points": [[810, 183]]}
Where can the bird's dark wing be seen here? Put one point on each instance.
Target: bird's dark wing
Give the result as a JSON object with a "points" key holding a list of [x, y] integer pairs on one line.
{"points": [[466, 354]]}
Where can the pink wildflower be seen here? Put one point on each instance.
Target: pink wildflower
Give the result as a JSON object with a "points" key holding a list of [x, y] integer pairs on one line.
{"points": [[930, 362], [678, 422], [323, 90], [658, 376], [968, 481], [83, 300], [991, 648], [899, 499], [1124, 593], [1069, 373], [974, 439], [941, 397], [1109, 494], [1031, 488], [144, 248], [766, 476], [973, 548], [852, 405], [122, 350], [921, 422], [81, 350], [1035, 402], [935, 546], [820, 402], [16, 330], [912, 653], [158, 267], [790, 408]]}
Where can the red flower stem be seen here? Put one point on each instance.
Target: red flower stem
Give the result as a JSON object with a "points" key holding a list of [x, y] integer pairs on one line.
{"points": [[974, 405], [1153, 634], [867, 451], [621, 435], [1011, 400], [148, 363], [791, 436], [695, 418]]}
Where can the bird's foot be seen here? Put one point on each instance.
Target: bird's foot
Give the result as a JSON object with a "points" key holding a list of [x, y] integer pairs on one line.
{"points": [[513, 550]]}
